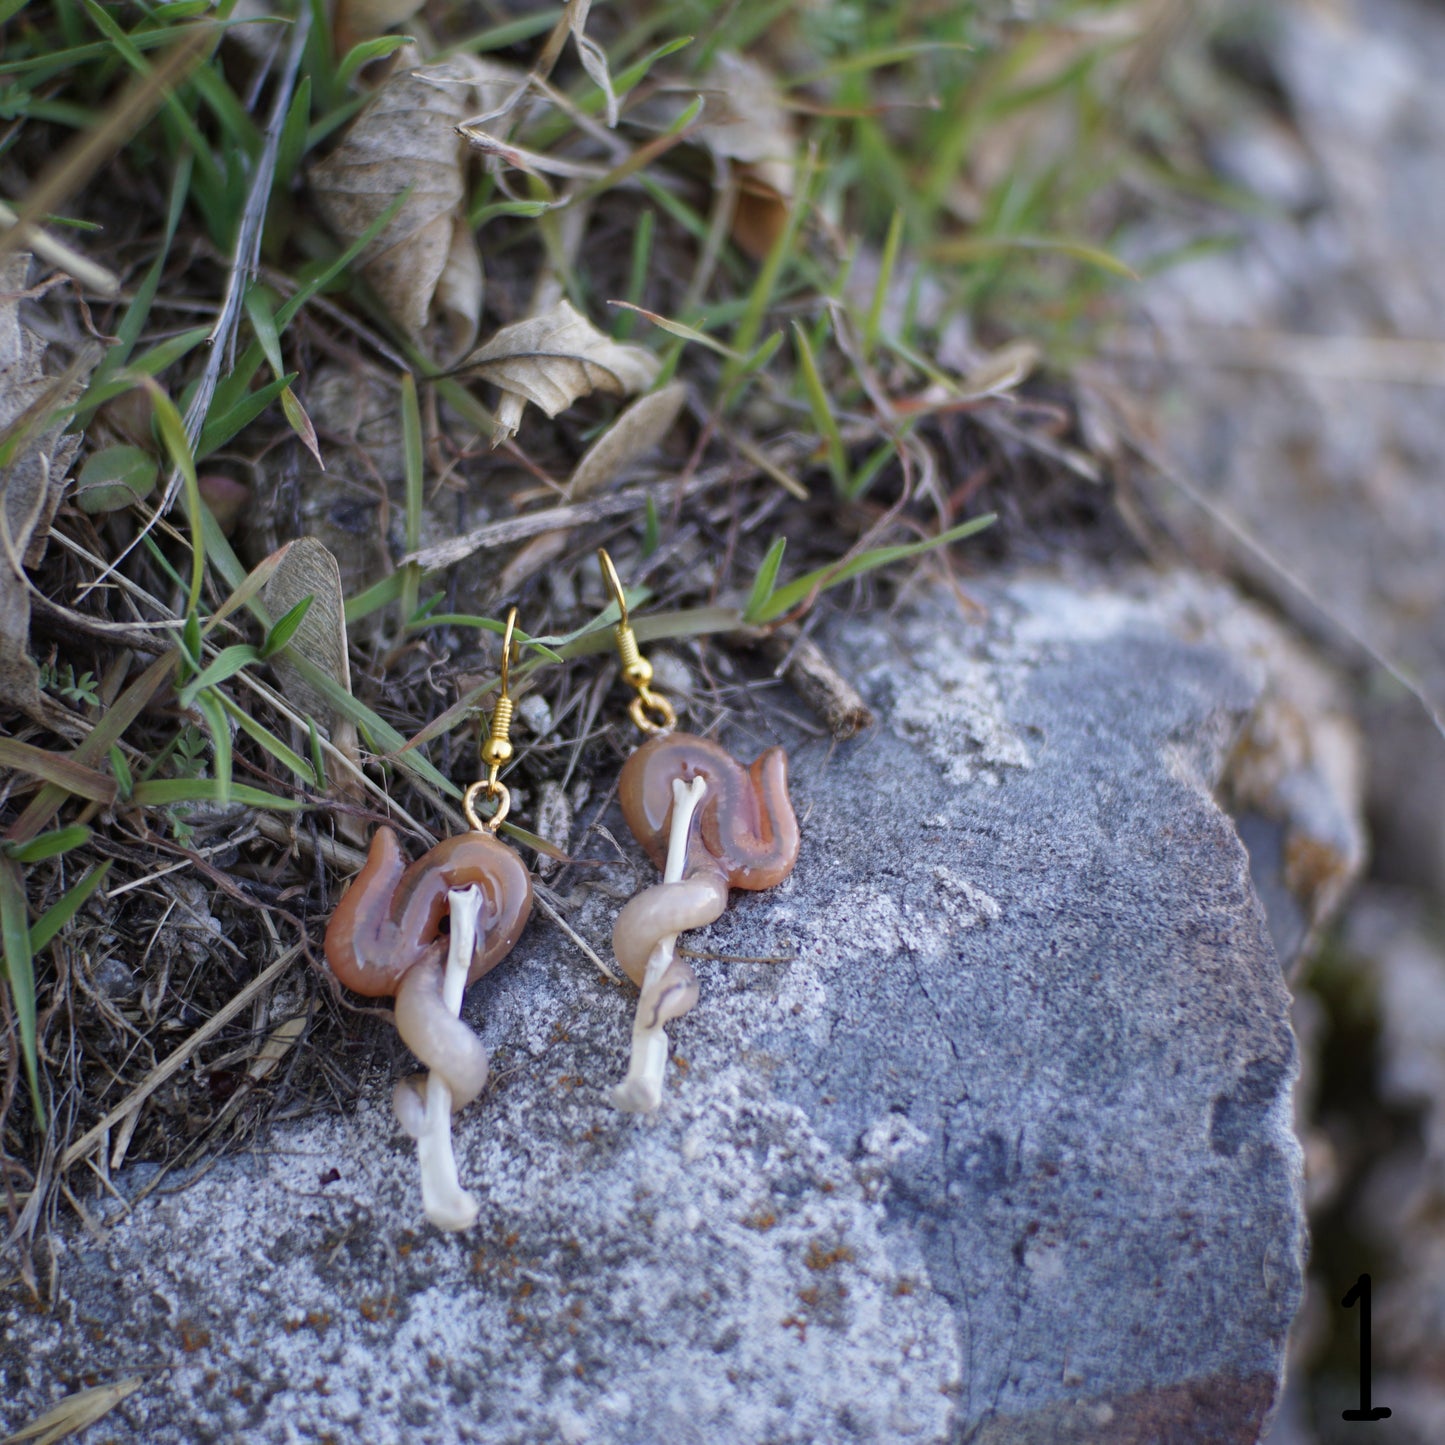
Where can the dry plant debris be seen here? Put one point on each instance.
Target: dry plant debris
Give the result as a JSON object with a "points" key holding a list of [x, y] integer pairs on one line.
{"points": [[779, 325]]}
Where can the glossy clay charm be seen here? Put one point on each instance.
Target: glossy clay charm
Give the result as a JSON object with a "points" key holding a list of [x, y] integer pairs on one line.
{"points": [[710, 824], [386, 938]]}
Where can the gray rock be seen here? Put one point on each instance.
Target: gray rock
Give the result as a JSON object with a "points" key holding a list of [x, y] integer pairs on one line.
{"points": [[1002, 1153]]}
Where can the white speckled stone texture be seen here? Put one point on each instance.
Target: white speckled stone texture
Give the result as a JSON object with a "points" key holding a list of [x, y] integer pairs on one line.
{"points": [[1003, 1153]]}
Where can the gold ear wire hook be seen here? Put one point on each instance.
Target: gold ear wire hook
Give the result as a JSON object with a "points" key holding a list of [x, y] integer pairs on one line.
{"points": [[497, 750], [650, 710]]}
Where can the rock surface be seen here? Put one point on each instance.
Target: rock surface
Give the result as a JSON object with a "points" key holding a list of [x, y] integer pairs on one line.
{"points": [[1003, 1152]]}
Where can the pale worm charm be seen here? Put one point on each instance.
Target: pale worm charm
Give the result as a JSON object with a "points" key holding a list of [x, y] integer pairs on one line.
{"points": [[709, 824], [385, 938]]}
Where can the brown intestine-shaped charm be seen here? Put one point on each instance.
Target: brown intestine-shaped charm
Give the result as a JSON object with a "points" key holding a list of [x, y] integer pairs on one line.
{"points": [[386, 938], [710, 824]]}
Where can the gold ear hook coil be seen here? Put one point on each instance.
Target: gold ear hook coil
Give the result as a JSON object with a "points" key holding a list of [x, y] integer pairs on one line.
{"points": [[497, 749], [650, 710]]}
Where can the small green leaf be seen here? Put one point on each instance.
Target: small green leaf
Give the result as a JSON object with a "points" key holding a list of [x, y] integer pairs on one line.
{"points": [[651, 527], [363, 54], [285, 627], [49, 845], [318, 759], [124, 778], [263, 323], [301, 424], [226, 664], [115, 477], [764, 582]]}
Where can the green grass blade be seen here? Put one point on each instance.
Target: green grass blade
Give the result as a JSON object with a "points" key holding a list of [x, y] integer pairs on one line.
{"points": [[637, 273], [384, 737], [162, 792], [790, 595], [982, 248], [218, 430], [178, 444], [318, 757], [268, 740], [485, 624], [823, 418], [209, 704], [292, 145], [20, 972], [415, 488], [263, 323], [745, 338], [48, 845], [65, 908], [891, 243], [226, 664], [374, 598]]}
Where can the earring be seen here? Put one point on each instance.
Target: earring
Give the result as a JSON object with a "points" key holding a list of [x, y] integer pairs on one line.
{"points": [[710, 824], [385, 938]]}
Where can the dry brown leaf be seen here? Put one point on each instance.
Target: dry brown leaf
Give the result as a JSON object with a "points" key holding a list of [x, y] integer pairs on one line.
{"points": [[637, 430], [306, 568], [406, 139], [745, 122], [30, 487], [459, 292], [551, 360], [74, 1413]]}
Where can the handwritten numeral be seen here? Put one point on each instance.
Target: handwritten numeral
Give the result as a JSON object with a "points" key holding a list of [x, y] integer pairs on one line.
{"points": [[1360, 1291]]}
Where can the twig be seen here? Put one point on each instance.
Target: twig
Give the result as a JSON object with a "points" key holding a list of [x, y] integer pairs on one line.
{"points": [[555, 519], [81, 269], [800, 662]]}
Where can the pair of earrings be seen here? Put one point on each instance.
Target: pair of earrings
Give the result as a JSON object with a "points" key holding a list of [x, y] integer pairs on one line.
{"points": [[707, 821]]}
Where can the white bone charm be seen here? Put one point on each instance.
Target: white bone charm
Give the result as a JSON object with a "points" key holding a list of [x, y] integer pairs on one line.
{"points": [[427, 1009], [645, 940]]}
